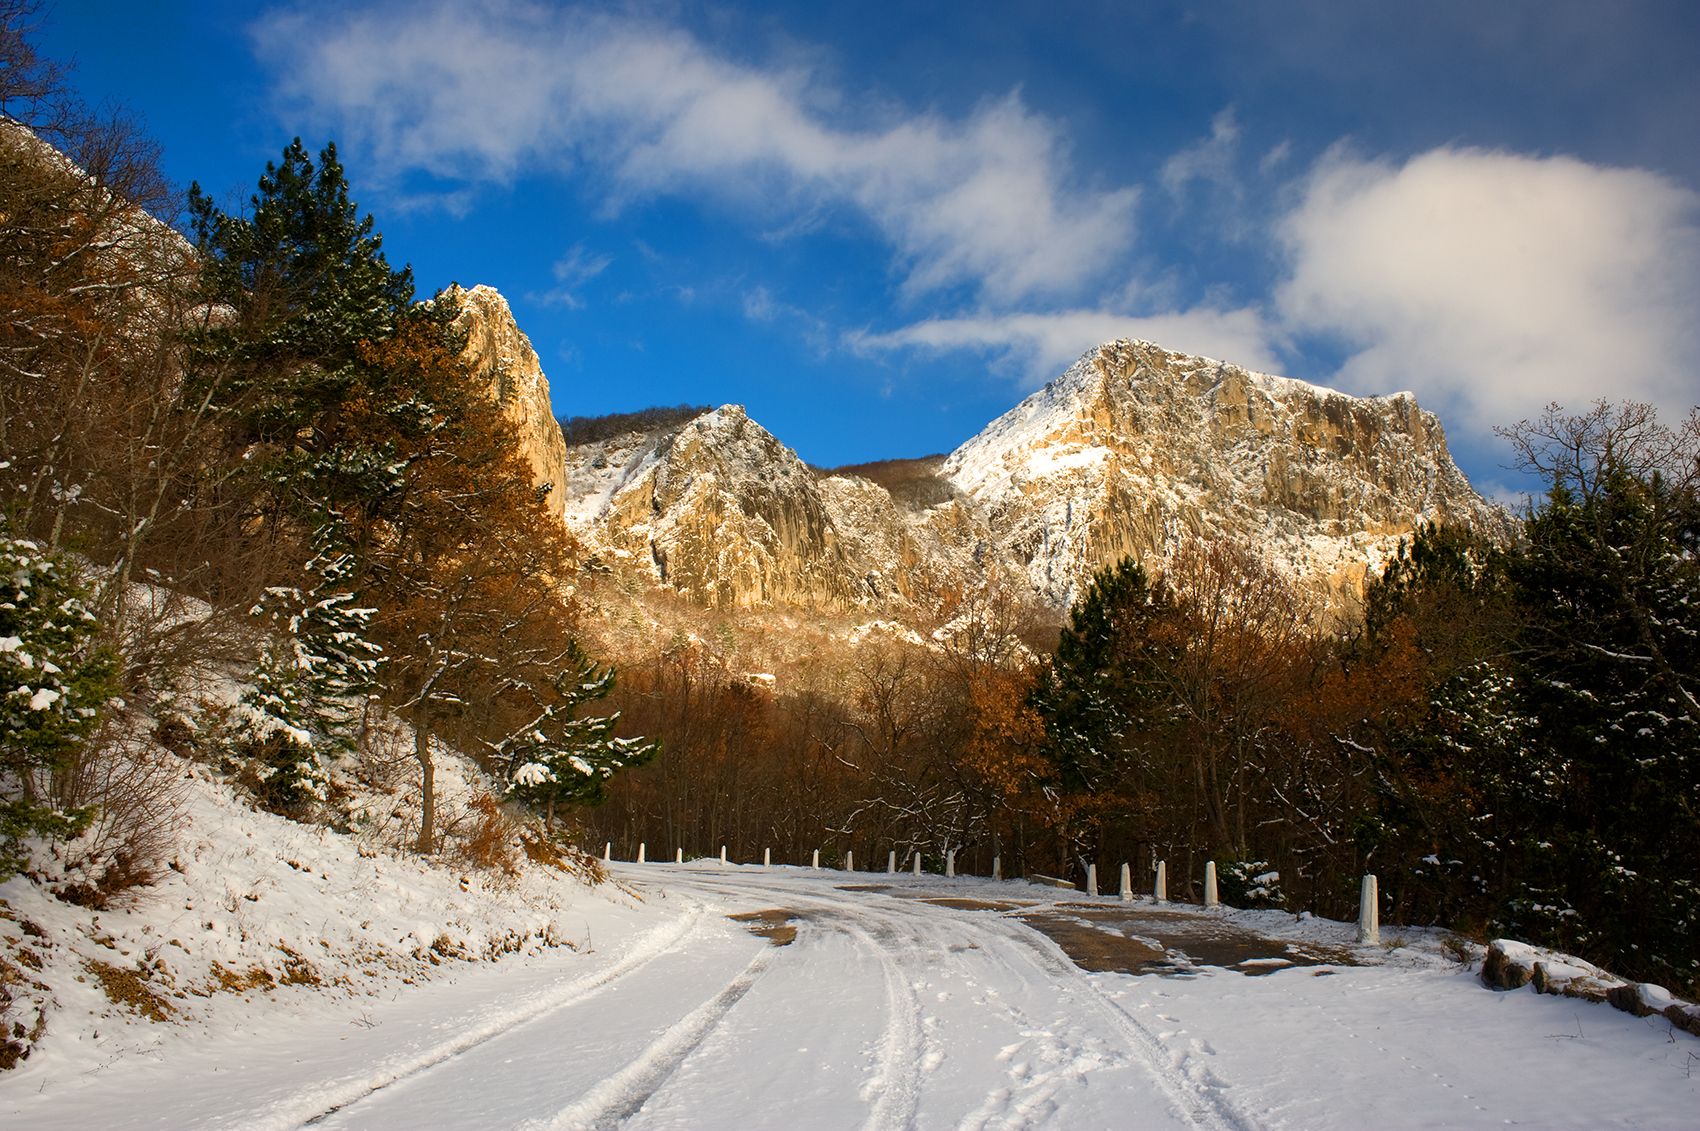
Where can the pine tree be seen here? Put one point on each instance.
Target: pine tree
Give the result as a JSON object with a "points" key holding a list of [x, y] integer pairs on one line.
{"points": [[559, 757], [55, 678], [304, 290], [1611, 593], [309, 688]]}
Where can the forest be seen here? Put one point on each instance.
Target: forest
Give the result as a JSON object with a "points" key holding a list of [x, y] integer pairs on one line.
{"points": [[242, 443]]}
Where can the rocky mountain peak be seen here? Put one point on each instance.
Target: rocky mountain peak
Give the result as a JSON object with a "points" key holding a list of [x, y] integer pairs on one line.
{"points": [[1134, 451], [501, 356], [1137, 448]]}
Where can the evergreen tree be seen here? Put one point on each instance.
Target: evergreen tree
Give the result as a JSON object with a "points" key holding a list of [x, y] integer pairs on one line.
{"points": [[309, 688], [54, 680], [299, 288], [1611, 594], [559, 757]]}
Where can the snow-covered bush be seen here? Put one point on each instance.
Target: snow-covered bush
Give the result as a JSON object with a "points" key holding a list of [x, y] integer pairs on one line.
{"points": [[54, 680], [1250, 884]]}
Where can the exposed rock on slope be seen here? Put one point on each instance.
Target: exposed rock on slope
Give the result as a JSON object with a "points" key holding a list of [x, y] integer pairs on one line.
{"points": [[721, 511], [1131, 452], [501, 354], [1136, 448]]}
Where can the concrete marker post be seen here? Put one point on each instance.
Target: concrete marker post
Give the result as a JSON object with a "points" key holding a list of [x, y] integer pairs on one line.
{"points": [[917, 863], [641, 847], [891, 863], [767, 858], [723, 856], [1161, 889], [1210, 897], [607, 852], [1091, 881], [849, 860], [950, 864], [678, 856], [1127, 883], [815, 863], [1369, 912], [997, 867]]}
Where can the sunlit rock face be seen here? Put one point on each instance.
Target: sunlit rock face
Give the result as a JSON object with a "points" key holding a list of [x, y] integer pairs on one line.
{"points": [[1131, 453], [1136, 449], [500, 355]]}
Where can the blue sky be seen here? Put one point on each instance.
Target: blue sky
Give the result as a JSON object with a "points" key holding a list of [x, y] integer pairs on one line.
{"points": [[879, 225]]}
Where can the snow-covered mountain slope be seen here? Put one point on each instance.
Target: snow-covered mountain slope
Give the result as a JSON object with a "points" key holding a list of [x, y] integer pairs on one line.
{"points": [[1133, 452], [1135, 449]]}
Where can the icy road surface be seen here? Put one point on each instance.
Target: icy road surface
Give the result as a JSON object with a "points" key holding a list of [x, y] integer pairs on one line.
{"points": [[889, 1011]]}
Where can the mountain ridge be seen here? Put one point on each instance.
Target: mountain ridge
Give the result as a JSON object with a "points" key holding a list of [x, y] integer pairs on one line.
{"points": [[1130, 452]]}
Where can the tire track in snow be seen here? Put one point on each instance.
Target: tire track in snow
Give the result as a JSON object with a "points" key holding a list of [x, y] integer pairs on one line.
{"points": [[894, 917], [622, 1095], [1199, 1104], [897, 1079], [319, 1106]]}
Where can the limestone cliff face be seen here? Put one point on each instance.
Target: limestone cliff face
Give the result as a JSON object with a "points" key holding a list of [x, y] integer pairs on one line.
{"points": [[1132, 452], [1135, 449], [501, 355], [716, 509], [722, 512]]}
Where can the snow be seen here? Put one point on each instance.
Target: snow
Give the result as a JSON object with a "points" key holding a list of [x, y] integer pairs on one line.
{"points": [[886, 1011]]}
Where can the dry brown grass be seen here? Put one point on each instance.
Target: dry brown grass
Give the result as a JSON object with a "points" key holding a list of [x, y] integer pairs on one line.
{"points": [[130, 988]]}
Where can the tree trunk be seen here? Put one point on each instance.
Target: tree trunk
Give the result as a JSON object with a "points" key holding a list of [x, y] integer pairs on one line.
{"points": [[427, 786]]}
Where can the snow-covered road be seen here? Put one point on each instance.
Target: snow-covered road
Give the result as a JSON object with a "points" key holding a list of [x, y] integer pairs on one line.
{"points": [[892, 1011]]}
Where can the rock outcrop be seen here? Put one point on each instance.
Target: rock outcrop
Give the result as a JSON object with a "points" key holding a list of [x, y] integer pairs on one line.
{"points": [[501, 355], [1135, 449]]}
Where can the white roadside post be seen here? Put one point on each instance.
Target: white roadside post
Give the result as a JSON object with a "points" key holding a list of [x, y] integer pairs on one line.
{"points": [[1092, 881], [607, 852], [641, 847], [917, 863], [1127, 884], [815, 863], [1369, 912], [891, 863], [767, 858], [849, 860], [723, 856], [1210, 897], [950, 864], [678, 856], [997, 867], [1161, 889]]}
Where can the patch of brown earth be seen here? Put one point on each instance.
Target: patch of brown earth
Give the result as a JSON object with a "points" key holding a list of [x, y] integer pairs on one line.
{"points": [[777, 926], [956, 903], [130, 988], [1105, 939]]}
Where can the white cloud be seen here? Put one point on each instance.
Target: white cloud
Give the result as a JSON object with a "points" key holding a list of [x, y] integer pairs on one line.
{"points": [[1043, 345], [1211, 159], [485, 93], [1491, 283], [574, 269]]}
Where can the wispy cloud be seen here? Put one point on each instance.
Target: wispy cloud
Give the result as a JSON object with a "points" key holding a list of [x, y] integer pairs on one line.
{"points": [[574, 269], [988, 201]]}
